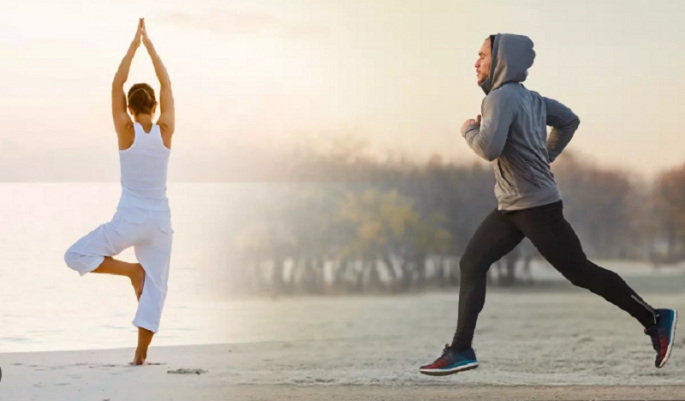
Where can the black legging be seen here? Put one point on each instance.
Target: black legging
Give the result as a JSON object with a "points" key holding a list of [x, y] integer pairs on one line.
{"points": [[553, 236]]}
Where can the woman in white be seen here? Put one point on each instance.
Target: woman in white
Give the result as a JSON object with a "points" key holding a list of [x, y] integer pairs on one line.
{"points": [[143, 218]]}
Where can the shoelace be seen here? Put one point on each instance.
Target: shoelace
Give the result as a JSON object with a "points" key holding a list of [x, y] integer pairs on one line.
{"points": [[658, 341], [445, 351]]}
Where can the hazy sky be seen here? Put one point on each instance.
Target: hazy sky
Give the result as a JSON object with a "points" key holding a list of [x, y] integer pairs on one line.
{"points": [[262, 74]]}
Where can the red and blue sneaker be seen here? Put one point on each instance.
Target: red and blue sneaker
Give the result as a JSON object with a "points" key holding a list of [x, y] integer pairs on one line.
{"points": [[451, 361], [663, 334]]}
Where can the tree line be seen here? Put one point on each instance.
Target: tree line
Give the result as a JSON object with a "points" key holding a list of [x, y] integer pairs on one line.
{"points": [[344, 222]]}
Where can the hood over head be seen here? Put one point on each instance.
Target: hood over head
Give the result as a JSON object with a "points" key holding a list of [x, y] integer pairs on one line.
{"points": [[512, 56]]}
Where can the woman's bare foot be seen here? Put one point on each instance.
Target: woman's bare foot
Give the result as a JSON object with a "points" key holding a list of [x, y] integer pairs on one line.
{"points": [[139, 358], [144, 339], [138, 280]]}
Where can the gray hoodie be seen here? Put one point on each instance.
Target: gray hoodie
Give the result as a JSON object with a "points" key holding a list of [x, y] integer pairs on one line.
{"points": [[513, 130]]}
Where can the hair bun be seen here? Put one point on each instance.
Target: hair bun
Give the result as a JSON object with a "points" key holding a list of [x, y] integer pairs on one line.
{"points": [[141, 98]]}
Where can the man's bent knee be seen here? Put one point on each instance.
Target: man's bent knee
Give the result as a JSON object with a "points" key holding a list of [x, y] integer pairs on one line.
{"points": [[579, 275], [471, 267]]}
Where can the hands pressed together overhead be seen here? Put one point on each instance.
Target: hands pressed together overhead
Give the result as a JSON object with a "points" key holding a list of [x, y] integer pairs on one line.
{"points": [[141, 34]]}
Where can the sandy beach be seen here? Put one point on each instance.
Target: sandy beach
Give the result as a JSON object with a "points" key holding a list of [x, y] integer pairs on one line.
{"points": [[224, 372], [553, 344]]}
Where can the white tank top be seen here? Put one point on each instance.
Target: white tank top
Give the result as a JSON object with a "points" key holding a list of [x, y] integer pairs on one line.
{"points": [[144, 171]]}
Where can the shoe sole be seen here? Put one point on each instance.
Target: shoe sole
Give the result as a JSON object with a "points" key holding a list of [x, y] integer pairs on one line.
{"points": [[446, 372], [670, 343]]}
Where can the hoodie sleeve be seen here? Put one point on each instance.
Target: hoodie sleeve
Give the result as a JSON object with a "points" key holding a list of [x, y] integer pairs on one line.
{"points": [[564, 123], [498, 113]]}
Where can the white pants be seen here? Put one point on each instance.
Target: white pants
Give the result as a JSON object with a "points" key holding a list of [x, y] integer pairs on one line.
{"points": [[150, 234]]}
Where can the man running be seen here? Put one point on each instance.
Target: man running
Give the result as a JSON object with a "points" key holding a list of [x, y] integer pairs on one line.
{"points": [[512, 133]]}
